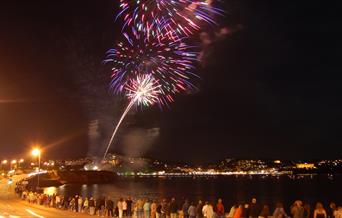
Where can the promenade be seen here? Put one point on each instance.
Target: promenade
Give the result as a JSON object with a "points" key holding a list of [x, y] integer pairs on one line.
{"points": [[12, 207]]}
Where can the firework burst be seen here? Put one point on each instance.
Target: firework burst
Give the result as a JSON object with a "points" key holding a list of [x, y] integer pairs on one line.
{"points": [[171, 63], [142, 90], [170, 18]]}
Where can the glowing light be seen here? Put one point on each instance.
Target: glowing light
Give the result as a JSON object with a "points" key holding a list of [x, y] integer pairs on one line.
{"points": [[33, 213], [144, 90], [305, 166], [36, 152], [37, 173], [50, 190]]}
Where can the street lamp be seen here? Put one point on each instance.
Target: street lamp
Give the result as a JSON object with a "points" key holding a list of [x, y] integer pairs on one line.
{"points": [[20, 161], [13, 162], [36, 152], [4, 162]]}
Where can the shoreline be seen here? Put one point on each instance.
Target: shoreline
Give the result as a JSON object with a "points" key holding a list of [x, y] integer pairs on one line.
{"points": [[59, 178]]}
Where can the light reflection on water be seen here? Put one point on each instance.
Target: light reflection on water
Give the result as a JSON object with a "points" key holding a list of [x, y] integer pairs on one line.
{"points": [[229, 188]]}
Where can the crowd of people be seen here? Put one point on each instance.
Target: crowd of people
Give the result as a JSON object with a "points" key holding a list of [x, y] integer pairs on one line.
{"points": [[171, 209], [145, 208]]}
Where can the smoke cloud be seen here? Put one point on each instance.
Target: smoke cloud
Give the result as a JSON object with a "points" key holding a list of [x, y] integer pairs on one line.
{"points": [[138, 141], [210, 40]]}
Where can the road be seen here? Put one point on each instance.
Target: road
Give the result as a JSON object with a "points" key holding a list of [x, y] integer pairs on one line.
{"points": [[12, 207]]}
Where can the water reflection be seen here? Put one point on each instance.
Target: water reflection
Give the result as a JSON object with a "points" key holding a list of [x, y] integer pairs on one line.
{"points": [[231, 189]]}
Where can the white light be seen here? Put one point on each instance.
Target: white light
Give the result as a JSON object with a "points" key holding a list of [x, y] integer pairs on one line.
{"points": [[35, 152], [33, 213], [36, 173]]}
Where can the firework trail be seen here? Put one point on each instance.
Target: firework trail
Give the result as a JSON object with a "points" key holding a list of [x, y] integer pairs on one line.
{"points": [[144, 91], [171, 63], [170, 18]]}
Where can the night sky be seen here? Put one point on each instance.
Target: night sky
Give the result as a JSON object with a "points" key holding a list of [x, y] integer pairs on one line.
{"points": [[270, 88]]}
